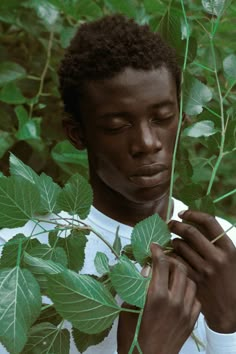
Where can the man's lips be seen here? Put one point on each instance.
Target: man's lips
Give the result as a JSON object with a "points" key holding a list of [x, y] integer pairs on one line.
{"points": [[149, 170], [148, 176]]}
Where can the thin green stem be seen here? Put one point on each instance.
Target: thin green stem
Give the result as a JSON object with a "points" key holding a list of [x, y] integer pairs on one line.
{"points": [[223, 234], [130, 310], [135, 339], [19, 254], [45, 307], [213, 112], [203, 67], [44, 72], [169, 210], [229, 89], [222, 142], [224, 196]]}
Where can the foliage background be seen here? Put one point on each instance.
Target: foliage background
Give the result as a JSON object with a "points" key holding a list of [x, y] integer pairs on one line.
{"points": [[33, 37]]}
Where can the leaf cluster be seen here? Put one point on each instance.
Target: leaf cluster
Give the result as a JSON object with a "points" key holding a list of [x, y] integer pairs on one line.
{"points": [[32, 266]]}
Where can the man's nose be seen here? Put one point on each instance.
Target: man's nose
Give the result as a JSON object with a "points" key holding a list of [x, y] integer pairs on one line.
{"points": [[145, 140]]}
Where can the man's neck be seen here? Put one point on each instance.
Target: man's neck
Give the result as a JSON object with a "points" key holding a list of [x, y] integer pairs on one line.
{"points": [[127, 212]]}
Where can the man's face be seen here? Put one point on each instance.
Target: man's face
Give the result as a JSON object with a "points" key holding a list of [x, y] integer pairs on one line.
{"points": [[130, 124]]}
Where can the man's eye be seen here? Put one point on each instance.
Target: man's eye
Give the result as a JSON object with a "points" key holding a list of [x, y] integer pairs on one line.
{"points": [[116, 129], [162, 119]]}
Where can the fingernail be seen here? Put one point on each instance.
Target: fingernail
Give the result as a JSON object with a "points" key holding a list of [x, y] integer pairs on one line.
{"points": [[181, 213], [146, 271]]}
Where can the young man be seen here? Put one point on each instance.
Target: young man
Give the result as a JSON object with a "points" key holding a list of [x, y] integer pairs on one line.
{"points": [[120, 84]]}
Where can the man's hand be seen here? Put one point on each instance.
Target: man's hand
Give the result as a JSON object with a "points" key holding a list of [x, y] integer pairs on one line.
{"points": [[211, 265], [170, 312]]}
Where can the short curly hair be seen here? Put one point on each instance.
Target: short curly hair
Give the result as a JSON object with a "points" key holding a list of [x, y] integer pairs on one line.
{"points": [[103, 48]]}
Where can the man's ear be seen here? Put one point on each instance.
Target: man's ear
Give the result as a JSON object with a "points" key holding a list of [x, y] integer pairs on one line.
{"points": [[74, 133]]}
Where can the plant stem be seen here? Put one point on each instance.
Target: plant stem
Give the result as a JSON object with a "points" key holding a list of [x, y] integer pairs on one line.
{"points": [[223, 234], [224, 196], [221, 152], [44, 72], [135, 339], [168, 216]]}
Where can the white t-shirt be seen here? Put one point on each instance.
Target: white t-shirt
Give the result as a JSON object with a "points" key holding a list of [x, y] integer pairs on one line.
{"points": [[215, 343]]}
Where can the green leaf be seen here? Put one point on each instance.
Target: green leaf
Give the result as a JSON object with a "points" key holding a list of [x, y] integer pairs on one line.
{"points": [[19, 200], [49, 192], [40, 267], [10, 71], [130, 285], [84, 340], [101, 263], [214, 7], [45, 338], [154, 6], [83, 301], [78, 9], [45, 11], [174, 32], [48, 189], [203, 128], [10, 250], [229, 65], [20, 303], [66, 36], [49, 314], [11, 94], [7, 140], [18, 168], [117, 243], [30, 130], [126, 7], [76, 197], [56, 254], [152, 229], [128, 252], [69, 159], [74, 247], [196, 95]]}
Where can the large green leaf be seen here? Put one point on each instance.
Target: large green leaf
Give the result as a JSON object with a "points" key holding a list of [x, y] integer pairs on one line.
{"points": [[10, 249], [85, 340], [20, 303], [19, 200], [203, 128], [45, 338], [152, 229], [40, 267], [196, 95], [56, 254], [76, 197], [48, 189], [10, 71], [74, 247], [18, 168], [229, 65], [83, 301], [174, 32], [130, 285], [49, 192]]}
